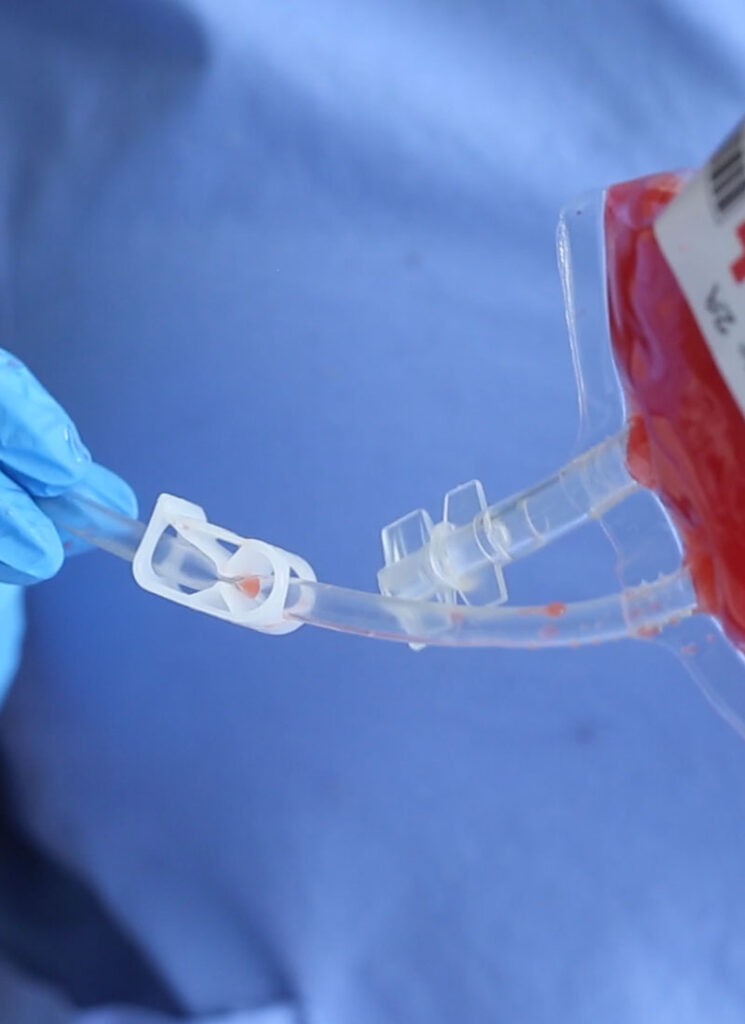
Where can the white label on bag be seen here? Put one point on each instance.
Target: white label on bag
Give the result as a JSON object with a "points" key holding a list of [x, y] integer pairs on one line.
{"points": [[702, 236]]}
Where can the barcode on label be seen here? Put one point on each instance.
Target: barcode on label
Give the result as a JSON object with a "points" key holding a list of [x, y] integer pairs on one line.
{"points": [[701, 234], [727, 173]]}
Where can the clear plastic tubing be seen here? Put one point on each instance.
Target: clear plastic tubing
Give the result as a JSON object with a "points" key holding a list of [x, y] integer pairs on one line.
{"points": [[640, 611], [584, 489], [119, 535], [509, 530]]}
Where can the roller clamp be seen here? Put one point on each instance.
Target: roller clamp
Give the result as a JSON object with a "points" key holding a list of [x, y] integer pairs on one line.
{"points": [[235, 558]]}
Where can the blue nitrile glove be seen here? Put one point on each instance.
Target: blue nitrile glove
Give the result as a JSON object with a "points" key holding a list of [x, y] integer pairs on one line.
{"points": [[41, 456]]}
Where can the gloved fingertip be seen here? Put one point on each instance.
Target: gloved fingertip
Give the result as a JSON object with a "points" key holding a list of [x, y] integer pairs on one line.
{"points": [[102, 485], [44, 553], [105, 488], [15, 577], [78, 457], [122, 498], [40, 447], [30, 548], [63, 463]]}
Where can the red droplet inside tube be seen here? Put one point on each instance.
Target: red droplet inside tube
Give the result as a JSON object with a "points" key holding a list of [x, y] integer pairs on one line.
{"points": [[555, 609], [251, 586]]}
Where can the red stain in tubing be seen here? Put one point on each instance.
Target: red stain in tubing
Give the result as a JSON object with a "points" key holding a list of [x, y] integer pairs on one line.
{"points": [[687, 434], [556, 609], [250, 586]]}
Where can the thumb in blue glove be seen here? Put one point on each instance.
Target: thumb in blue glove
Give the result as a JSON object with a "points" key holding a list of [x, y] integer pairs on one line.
{"points": [[41, 456]]}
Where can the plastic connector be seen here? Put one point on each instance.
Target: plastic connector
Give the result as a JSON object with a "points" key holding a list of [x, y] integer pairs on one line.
{"points": [[446, 561], [186, 559]]}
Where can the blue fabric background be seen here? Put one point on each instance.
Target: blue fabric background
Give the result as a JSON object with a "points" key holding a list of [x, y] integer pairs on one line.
{"points": [[295, 263]]}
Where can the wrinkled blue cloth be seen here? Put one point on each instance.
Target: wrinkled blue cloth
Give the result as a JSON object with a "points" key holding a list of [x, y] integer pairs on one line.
{"points": [[24, 1000], [295, 263]]}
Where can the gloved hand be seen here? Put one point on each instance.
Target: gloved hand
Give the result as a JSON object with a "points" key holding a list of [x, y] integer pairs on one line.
{"points": [[41, 456]]}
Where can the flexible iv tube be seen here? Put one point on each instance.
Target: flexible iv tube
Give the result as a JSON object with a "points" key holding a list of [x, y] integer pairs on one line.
{"points": [[504, 532], [641, 611]]}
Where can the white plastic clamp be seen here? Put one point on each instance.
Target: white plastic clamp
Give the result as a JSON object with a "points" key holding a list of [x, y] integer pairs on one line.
{"points": [[175, 521]]}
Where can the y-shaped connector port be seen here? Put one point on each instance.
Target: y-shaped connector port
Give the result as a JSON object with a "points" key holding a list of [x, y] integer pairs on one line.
{"points": [[455, 559], [461, 558]]}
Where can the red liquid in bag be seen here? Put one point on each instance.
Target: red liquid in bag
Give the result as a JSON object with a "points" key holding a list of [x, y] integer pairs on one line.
{"points": [[687, 434]]}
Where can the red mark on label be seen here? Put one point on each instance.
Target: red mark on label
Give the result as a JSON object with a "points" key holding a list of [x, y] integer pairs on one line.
{"points": [[738, 267]]}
